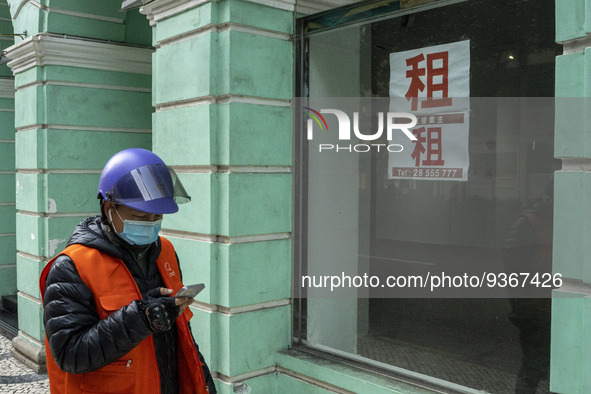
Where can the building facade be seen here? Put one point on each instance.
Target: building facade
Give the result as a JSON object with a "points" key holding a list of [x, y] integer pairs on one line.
{"points": [[209, 86]]}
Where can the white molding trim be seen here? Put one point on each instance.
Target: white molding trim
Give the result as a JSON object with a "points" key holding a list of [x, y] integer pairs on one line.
{"points": [[48, 49], [85, 85], [158, 10], [227, 98], [308, 7], [576, 164], [287, 5], [7, 88], [223, 27], [230, 311], [575, 45], [55, 126], [66, 12]]}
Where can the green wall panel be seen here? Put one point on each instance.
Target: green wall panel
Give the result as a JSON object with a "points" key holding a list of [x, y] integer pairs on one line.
{"points": [[85, 27], [256, 15], [224, 134], [106, 8], [71, 193], [254, 203], [78, 106], [220, 12], [30, 192], [7, 280], [198, 261], [8, 222], [570, 119], [204, 327], [29, 76], [59, 230], [231, 272], [4, 70], [264, 266], [189, 20], [200, 214], [5, 11], [7, 130], [30, 317], [570, 19], [249, 65], [32, 236], [7, 188], [30, 108], [43, 148], [5, 27], [569, 75], [7, 159], [7, 103], [8, 248], [137, 28], [251, 340], [98, 107], [586, 348], [82, 75], [252, 134], [568, 315], [187, 136], [27, 270], [570, 205], [91, 150], [229, 62], [194, 59]]}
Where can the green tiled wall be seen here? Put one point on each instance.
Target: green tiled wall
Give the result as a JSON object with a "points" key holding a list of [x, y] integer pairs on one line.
{"points": [[223, 74], [570, 311], [70, 120]]}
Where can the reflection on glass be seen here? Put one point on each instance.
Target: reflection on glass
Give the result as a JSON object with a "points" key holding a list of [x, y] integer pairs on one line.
{"points": [[356, 219]]}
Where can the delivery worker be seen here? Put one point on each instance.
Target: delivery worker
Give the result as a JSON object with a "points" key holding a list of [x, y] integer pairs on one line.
{"points": [[112, 324]]}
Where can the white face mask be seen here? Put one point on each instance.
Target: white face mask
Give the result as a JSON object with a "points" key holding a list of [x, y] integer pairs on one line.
{"points": [[138, 232]]}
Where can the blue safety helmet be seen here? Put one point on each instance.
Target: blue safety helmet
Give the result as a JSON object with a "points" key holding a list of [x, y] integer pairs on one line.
{"points": [[139, 179]]}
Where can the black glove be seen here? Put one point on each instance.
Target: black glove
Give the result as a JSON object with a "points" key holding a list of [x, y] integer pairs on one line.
{"points": [[160, 310]]}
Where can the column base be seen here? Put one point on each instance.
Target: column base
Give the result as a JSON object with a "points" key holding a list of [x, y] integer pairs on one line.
{"points": [[30, 354]]}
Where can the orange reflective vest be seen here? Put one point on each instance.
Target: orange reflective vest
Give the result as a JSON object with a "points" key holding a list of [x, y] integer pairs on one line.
{"points": [[113, 287]]}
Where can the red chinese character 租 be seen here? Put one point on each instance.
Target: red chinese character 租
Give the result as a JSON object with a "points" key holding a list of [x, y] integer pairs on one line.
{"points": [[437, 80], [416, 84], [419, 147], [441, 86], [434, 156], [434, 152]]}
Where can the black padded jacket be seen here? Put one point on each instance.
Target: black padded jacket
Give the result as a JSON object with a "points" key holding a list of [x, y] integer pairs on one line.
{"points": [[79, 341]]}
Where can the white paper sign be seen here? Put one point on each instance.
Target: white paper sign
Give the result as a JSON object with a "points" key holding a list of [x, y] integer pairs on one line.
{"points": [[433, 84]]}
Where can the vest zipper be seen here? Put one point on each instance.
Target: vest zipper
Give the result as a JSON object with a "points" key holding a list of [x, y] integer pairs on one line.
{"points": [[128, 364]]}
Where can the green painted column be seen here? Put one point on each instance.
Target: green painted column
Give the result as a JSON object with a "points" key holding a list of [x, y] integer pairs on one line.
{"points": [[78, 101], [571, 309], [223, 83], [7, 169], [7, 181]]}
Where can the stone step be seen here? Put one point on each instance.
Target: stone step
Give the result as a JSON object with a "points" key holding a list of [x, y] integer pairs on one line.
{"points": [[10, 304], [8, 324]]}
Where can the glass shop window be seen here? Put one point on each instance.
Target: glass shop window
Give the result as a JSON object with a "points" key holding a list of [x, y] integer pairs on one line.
{"points": [[467, 200]]}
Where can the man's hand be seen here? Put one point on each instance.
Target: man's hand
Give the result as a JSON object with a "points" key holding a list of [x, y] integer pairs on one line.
{"points": [[162, 310]]}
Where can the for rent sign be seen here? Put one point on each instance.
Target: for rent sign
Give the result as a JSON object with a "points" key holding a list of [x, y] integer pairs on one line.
{"points": [[435, 85]]}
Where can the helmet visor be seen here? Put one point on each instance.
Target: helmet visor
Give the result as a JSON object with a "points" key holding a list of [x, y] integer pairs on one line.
{"points": [[148, 183]]}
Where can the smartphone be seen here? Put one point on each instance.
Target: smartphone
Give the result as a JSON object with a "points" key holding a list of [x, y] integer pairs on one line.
{"points": [[190, 291]]}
